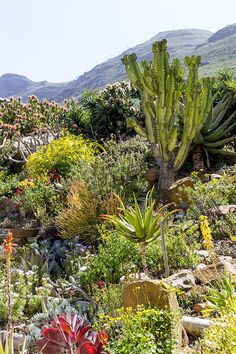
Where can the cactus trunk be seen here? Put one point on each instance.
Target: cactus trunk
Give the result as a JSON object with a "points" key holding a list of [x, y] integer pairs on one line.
{"points": [[166, 179]]}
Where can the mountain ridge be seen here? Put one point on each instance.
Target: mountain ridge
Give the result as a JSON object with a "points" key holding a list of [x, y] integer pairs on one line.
{"points": [[216, 49]]}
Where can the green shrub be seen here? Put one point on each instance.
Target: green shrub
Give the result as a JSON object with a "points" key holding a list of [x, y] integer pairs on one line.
{"points": [[110, 108], [40, 198], [8, 184], [206, 198], [181, 242], [146, 331], [117, 257], [220, 337], [119, 170], [61, 155]]}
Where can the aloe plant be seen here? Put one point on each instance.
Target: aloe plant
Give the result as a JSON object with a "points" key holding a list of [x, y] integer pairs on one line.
{"points": [[214, 133], [139, 225]]}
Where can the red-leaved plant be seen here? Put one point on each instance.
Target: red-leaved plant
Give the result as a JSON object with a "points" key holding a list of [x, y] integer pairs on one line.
{"points": [[69, 334]]}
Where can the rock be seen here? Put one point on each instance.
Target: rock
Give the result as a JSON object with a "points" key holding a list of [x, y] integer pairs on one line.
{"points": [[6, 223], [201, 266], [203, 254], [134, 277], [18, 340], [154, 293], [199, 307], [215, 175], [225, 259], [215, 271], [195, 325], [152, 174], [22, 212], [225, 209], [183, 280], [176, 193]]}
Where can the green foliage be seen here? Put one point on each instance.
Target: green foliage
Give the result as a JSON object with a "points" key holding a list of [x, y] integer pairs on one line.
{"points": [[60, 154], [8, 184], [225, 84], [120, 169], [107, 298], [223, 295], [76, 119], [8, 348], [216, 131], [139, 225], [109, 110], [40, 198], [115, 257], [22, 285], [181, 243], [220, 337], [146, 331], [207, 198]]}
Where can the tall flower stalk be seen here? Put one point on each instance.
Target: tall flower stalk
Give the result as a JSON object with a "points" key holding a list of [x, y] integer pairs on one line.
{"points": [[9, 248]]}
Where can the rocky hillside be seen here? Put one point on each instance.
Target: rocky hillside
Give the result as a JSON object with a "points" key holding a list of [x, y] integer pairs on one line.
{"points": [[217, 50]]}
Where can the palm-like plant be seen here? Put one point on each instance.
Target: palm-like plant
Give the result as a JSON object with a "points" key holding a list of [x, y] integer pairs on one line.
{"points": [[138, 225]]}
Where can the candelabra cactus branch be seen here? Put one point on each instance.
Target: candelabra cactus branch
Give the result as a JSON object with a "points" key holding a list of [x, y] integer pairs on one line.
{"points": [[175, 110]]}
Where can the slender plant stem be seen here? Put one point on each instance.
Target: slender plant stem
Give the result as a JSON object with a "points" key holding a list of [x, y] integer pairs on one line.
{"points": [[164, 250], [143, 256], [8, 287]]}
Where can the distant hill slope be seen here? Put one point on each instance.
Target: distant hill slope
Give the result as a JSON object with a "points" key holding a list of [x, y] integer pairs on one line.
{"points": [[217, 50]]}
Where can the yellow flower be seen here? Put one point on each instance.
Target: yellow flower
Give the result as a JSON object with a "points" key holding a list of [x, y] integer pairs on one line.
{"points": [[206, 234]]}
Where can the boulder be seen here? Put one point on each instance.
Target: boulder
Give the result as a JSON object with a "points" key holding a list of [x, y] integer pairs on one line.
{"points": [[225, 209], [183, 280], [204, 254], [212, 272], [154, 293], [176, 193]]}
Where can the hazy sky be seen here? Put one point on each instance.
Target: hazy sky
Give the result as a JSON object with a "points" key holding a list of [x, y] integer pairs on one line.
{"points": [[57, 40]]}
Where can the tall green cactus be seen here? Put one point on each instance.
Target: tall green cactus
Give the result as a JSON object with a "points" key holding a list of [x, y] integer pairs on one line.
{"points": [[175, 110]]}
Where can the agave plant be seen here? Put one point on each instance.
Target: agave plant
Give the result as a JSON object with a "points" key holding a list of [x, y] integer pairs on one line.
{"points": [[139, 225]]}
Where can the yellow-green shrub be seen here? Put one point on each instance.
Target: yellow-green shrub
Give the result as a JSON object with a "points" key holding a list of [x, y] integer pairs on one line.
{"points": [[61, 154], [220, 337]]}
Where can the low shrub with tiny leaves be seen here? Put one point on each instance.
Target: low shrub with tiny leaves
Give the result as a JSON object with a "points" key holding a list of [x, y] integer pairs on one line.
{"points": [[220, 337], [120, 169], [146, 331], [206, 198]]}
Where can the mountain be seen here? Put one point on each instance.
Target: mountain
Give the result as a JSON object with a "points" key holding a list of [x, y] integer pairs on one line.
{"points": [[216, 49]]}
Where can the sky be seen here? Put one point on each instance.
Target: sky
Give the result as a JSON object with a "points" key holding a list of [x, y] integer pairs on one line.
{"points": [[58, 40]]}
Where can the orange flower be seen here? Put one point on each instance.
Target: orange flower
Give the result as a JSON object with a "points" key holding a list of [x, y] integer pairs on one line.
{"points": [[9, 246]]}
